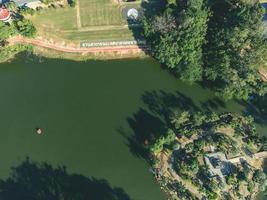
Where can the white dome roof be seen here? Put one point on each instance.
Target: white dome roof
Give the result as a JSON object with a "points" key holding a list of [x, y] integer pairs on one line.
{"points": [[132, 13]]}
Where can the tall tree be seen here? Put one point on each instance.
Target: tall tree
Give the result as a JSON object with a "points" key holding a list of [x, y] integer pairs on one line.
{"points": [[177, 36], [235, 47], [6, 30]]}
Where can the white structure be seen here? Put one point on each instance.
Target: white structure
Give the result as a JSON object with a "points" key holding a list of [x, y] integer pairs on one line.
{"points": [[218, 165], [27, 3], [132, 14]]}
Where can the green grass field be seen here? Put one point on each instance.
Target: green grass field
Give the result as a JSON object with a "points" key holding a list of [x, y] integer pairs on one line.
{"points": [[100, 12], [91, 20], [105, 35]]}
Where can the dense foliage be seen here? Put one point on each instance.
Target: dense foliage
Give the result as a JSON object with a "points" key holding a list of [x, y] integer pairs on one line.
{"points": [[72, 3], [177, 36], [6, 31], [8, 52], [221, 42], [18, 25], [25, 27], [192, 137], [235, 48]]}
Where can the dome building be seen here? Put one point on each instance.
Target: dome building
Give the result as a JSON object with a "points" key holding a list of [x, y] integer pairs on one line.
{"points": [[5, 15]]}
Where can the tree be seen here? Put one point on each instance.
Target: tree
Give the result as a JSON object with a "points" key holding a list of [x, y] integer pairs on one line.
{"points": [[189, 147], [230, 179], [25, 27], [221, 42], [177, 36], [234, 49], [6, 31], [181, 119], [158, 146], [259, 176], [11, 6], [199, 144], [72, 3], [199, 118]]}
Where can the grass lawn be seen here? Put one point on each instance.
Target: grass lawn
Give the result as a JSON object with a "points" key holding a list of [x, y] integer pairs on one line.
{"points": [[104, 35], [100, 12], [93, 20]]}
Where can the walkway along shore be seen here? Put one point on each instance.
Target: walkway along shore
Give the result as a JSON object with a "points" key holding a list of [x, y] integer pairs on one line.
{"points": [[57, 47], [128, 49]]}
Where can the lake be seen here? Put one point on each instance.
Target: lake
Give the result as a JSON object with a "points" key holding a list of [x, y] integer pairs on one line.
{"points": [[91, 114]]}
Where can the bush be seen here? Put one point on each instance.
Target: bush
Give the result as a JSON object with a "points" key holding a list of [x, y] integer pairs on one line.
{"points": [[25, 27], [6, 31], [8, 52], [72, 3]]}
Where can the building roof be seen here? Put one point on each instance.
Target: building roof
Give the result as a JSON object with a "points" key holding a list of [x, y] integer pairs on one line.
{"points": [[4, 14], [218, 164], [20, 2], [24, 2]]}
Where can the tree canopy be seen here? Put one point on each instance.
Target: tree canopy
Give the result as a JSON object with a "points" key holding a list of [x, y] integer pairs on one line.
{"points": [[25, 27], [219, 41], [5, 31], [235, 47], [177, 35]]}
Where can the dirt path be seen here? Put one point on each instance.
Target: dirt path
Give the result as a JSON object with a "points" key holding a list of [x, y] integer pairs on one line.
{"points": [[41, 43], [79, 23], [263, 74]]}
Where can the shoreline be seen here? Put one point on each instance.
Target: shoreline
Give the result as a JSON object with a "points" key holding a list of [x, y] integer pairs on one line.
{"points": [[51, 50], [54, 54]]}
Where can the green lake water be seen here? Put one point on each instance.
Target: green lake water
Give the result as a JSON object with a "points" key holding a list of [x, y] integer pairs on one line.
{"points": [[89, 113]]}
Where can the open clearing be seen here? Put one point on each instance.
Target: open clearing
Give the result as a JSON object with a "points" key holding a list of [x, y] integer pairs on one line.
{"points": [[90, 20], [100, 12]]}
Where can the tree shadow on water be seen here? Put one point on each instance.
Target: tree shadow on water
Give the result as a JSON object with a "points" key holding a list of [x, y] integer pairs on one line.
{"points": [[257, 108], [212, 104], [35, 181], [146, 127], [163, 103], [153, 119]]}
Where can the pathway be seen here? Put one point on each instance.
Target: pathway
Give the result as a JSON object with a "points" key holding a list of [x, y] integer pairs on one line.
{"points": [[45, 44], [263, 74], [79, 23]]}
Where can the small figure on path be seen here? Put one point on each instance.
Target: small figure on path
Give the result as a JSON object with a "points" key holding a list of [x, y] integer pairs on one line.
{"points": [[39, 131]]}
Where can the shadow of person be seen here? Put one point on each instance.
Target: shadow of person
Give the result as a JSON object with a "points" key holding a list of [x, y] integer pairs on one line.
{"points": [[40, 181]]}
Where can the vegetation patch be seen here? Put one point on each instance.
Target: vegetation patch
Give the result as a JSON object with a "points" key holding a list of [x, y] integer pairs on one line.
{"points": [[90, 20], [100, 12], [213, 156], [218, 42], [19, 25]]}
